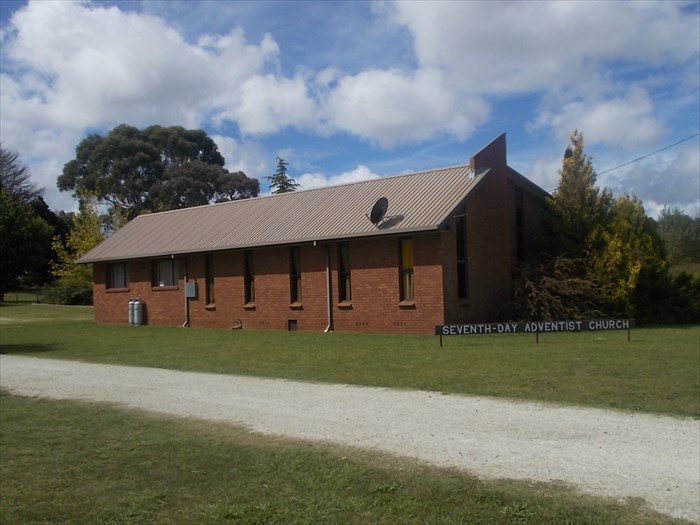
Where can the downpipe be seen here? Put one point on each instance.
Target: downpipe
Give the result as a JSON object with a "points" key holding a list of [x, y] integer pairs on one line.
{"points": [[329, 310], [186, 324]]}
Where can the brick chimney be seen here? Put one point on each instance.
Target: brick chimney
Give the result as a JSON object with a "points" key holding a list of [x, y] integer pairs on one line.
{"points": [[491, 156]]}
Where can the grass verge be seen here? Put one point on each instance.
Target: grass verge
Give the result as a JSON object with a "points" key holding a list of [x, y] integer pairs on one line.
{"points": [[76, 463], [658, 371]]}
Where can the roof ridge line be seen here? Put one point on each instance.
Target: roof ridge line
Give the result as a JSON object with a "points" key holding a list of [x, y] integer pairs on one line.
{"points": [[365, 181], [267, 196]]}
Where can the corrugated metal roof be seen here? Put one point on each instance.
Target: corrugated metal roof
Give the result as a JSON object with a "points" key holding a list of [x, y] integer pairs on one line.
{"points": [[417, 202]]}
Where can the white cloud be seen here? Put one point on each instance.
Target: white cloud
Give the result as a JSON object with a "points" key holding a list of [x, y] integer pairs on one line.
{"points": [[87, 66], [669, 178], [245, 156], [626, 121], [520, 46], [269, 104], [71, 68], [318, 180], [545, 172], [99, 65], [390, 108]]}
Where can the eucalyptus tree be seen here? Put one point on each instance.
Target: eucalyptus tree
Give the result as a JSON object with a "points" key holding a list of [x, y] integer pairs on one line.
{"points": [[134, 171]]}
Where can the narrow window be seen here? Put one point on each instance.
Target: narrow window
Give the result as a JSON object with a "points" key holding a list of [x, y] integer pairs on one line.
{"points": [[118, 275], [344, 289], [249, 277], [294, 275], [462, 263], [406, 270], [164, 272], [209, 277], [519, 225]]}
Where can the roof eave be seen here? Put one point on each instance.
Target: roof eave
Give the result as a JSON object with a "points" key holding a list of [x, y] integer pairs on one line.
{"points": [[360, 235]]}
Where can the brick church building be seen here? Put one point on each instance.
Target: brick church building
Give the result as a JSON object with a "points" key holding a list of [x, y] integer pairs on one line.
{"points": [[392, 254]]}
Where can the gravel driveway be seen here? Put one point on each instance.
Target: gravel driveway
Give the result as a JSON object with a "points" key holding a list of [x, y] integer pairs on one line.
{"points": [[601, 452]]}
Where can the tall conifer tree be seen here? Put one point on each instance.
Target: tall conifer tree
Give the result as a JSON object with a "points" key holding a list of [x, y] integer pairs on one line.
{"points": [[280, 180], [578, 210], [597, 250]]}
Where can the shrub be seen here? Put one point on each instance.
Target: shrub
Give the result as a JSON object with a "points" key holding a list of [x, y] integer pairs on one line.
{"points": [[66, 292]]}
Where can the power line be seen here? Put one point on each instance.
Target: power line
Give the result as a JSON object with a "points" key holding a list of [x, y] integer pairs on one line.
{"points": [[649, 154]]}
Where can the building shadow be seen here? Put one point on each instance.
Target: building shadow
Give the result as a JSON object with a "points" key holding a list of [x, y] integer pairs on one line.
{"points": [[26, 348]]}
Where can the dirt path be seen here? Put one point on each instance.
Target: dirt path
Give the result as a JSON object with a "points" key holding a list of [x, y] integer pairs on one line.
{"points": [[601, 452]]}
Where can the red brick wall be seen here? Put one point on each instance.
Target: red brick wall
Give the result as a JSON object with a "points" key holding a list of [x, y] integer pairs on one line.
{"points": [[374, 305], [532, 216], [163, 305], [374, 263], [490, 236], [490, 214]]}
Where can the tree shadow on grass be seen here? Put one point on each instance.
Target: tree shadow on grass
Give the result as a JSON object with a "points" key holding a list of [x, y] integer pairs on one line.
{"points": [[27, 348]]}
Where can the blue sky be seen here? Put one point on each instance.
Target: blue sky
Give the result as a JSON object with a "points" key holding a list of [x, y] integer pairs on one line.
{"points": [[346, 91]]}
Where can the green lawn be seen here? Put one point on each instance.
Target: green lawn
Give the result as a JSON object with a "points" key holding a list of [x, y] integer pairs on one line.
{"points": [[78, 463], [657, 371]]}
